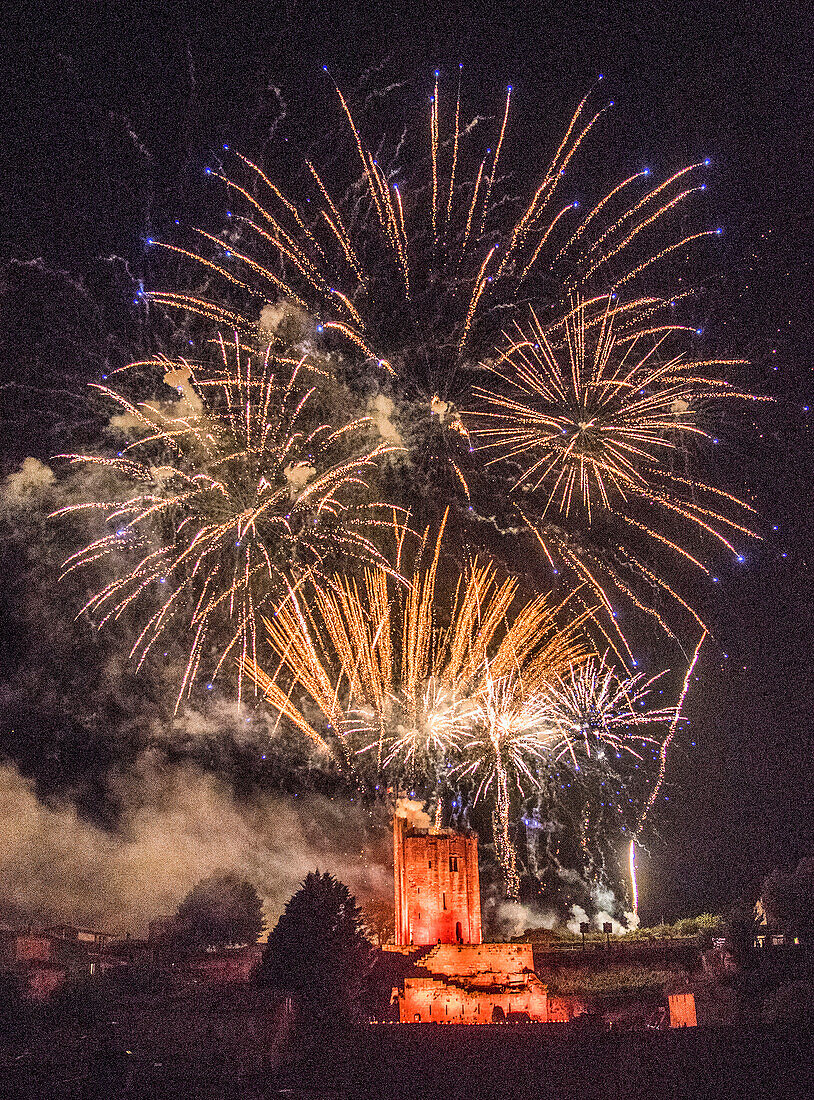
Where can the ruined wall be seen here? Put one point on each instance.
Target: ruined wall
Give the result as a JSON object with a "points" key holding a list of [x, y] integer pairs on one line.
{"points": [[427, 1000], [464, 984]]}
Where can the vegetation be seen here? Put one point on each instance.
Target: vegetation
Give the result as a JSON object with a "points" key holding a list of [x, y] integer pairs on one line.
{"points": [[788, 899], [220, 911], [318, 954], [705, 924], [609, 981]]}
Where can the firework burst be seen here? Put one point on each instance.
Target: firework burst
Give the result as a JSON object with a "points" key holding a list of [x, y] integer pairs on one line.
{"points": [[227, 499], [414, 266], [597, 713], [510, 740], [603, 430], [415, 258], [396, 672]]}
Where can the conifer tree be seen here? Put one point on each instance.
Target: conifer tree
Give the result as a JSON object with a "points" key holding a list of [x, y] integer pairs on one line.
{"points": [[318, 953], [220, 910]]}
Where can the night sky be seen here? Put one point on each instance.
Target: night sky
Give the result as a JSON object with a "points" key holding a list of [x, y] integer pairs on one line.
{"points": [[110, 119]]}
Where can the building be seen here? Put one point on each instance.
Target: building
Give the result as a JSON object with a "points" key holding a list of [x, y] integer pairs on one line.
{"points": [[474, 984], [457, 978], [437, 886]]}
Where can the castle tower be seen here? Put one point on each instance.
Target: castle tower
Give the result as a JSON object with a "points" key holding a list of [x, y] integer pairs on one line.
{"points": [[437, 887]]}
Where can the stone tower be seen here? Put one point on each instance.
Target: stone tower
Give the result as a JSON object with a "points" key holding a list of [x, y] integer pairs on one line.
{"points": [[436, 885]]}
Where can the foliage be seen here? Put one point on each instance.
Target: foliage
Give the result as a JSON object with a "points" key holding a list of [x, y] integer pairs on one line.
{"points": [[739, 927], [608, 981], [318, 953], [788, 898], [85, 1000], [221, 910], [705, 925]]}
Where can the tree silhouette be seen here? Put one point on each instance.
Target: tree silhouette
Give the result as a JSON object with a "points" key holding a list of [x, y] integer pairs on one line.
{"points": [[220, 910], [788, 899], [318, 953]]}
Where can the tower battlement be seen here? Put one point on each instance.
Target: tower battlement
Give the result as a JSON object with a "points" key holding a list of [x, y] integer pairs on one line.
{"points": [[437, 887]]}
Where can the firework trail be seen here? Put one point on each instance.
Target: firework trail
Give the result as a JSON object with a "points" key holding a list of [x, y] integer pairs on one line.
{"points": [[225, 501], [510, 742], [424, 690], [665, 745], [414, 267], [599, 431], [417, 270]]}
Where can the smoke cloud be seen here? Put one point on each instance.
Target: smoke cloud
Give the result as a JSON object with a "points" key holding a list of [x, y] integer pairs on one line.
{"points": [[414, 813], [27, 485], [177, 827], [380, 409]]}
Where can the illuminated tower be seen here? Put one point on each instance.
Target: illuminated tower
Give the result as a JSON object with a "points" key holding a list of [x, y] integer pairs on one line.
{"points": [[436, 885]]}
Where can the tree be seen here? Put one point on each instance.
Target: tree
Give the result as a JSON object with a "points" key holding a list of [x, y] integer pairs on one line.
{"points": [[319, 955], [788, 899], [220, 910], [739, 928]]}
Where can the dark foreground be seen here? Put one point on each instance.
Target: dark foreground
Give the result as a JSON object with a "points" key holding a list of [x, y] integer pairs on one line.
{"points": [[415, 1062]]}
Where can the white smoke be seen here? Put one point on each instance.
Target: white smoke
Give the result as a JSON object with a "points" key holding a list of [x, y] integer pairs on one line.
{"points": [[178, 826], [605, 904], [380, 409], [298, 474], [188, 405], [273, 314], [414, 813], [179, 379], [28, 485], [510, 919]]}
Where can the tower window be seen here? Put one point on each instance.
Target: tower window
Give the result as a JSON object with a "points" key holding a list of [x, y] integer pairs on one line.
{"points": [[444, 900], [453, 863], [429, 864]]}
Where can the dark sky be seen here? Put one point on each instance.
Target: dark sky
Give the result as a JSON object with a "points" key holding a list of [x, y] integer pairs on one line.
{"points": [[113, 114]]}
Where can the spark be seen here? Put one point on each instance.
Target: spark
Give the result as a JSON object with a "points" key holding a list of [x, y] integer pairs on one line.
{"points": [[665, 745], [425, 701], [425, 244], [603, 429], [227, 499]]}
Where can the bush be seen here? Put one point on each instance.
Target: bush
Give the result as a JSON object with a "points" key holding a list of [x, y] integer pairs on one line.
{"points": [[609, 982]]}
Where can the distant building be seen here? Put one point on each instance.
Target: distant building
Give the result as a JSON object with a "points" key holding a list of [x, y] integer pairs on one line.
{"points": [[88, 937], [37, 961], [226, 966]]}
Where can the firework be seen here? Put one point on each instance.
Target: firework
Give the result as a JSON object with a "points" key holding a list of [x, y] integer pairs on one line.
{"points": [[517, 341], [602, 430], [511, 738], [414, 267], [608, 730], [403, 664], [419, 684], [416, 270], [226, 499], [597, 713]]}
